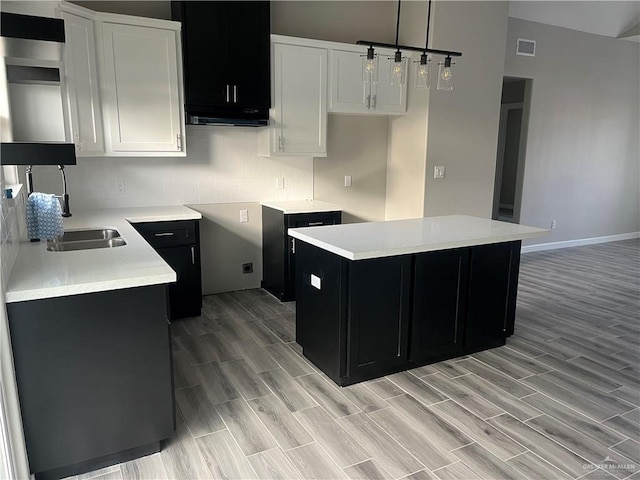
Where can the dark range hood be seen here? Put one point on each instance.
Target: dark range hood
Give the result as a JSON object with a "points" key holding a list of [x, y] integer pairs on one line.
{"points": [[226, 55], [32, 50]]}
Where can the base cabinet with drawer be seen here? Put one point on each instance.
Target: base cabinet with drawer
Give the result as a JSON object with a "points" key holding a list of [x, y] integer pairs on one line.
{"points": [[178, 243], [278, 249]]}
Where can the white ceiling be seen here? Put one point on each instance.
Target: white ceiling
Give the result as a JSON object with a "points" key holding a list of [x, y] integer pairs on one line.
{"points": [[610, 18]]}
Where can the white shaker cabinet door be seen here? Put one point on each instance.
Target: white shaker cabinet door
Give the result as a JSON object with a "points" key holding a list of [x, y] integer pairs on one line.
{"points": [[141, 87], [300, 100], [347, 92], [387, 98], [81, 76]]}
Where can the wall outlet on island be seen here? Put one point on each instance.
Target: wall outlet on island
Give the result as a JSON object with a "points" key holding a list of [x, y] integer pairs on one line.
{"points": [[244, 216], [120, 187], [247, 267], [438, 171], [553, 224]]}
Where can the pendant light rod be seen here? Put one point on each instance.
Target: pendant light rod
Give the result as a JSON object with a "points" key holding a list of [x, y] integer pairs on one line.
{"points": [[398, 22], [396, 46], [410, 48], [426, 42]]}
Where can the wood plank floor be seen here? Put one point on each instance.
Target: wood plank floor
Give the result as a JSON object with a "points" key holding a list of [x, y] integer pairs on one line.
{"points": [[561, 400]]}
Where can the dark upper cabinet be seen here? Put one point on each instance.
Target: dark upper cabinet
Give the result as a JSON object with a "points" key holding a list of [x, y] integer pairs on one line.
{"points": [[439, 301], [226, 55]]}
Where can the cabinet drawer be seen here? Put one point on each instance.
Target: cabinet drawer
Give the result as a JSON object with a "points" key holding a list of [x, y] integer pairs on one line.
{"points": [[313, 219], [168, 234]]}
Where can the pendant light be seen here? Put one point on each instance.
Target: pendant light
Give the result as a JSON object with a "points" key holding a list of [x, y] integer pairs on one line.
{"points": [[370, 67], [445, 77], [398, 69]]}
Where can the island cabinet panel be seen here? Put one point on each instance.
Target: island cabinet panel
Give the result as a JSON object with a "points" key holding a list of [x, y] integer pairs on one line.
{"points": [[493, 282], [439, 304], [379, 306], [321, 308], [94, 378]]}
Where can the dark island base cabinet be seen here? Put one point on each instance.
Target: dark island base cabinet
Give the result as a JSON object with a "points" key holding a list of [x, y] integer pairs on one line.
{"points": [[278, 249], [94, 378], [178, 243], [369, 318]]}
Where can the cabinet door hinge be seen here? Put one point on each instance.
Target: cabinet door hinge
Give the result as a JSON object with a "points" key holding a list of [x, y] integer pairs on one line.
{"points": [[375, 98]]}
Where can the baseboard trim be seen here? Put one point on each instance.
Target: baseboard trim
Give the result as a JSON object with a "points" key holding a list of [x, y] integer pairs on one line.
{"points": [[581, 241]]}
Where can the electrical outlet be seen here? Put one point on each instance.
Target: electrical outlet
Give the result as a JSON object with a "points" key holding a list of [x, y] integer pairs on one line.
{"points": [[244, 216], [553, 224], [120, 187], [280, 183], [347, 180], [247, 267], [438, 171]]}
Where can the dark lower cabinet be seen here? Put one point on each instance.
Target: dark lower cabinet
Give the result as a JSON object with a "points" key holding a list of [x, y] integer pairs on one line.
{"points": [[379, 309], [178, 243], [439, 304], [493, 280], [278, 249], [363, 319], [94, 378]]}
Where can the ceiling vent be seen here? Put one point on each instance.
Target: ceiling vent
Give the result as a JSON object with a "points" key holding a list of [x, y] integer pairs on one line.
{"points": [[526, 47]]}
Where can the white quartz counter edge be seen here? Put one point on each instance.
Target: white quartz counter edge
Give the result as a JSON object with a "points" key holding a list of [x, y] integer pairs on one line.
{"points": [[402, 237], [291, 207], [39, 274]]}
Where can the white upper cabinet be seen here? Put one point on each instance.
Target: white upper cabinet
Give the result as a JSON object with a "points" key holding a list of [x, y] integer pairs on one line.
{"points": [[348, 94], [141, 90], [81, 79], [299, 113]]}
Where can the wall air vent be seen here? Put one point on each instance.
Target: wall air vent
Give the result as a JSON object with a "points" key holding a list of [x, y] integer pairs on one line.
{"points": [[526, 47]]}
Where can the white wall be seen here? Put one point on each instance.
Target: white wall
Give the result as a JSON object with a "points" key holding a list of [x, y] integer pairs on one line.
{"points": [[463, 123], [582, 157], [357, 146], [408, 133]]}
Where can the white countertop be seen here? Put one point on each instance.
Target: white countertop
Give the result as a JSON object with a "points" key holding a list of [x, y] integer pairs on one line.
{"points": [[302, 206], [39, 274], [360, 241]]}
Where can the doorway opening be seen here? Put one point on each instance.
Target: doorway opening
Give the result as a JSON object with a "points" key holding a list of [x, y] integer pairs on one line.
{"points": [[512, 146]]}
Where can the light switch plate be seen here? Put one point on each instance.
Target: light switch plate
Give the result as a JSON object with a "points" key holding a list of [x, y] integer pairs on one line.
{"points": [[347, 180], [316, 282], [438, 171], [280, 183]]}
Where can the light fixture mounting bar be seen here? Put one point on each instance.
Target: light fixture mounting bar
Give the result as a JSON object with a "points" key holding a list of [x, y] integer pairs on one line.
{"points": [[410, 48]]}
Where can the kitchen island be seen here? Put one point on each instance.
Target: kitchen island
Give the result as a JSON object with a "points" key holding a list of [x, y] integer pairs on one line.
{"points": [[381, 297]]}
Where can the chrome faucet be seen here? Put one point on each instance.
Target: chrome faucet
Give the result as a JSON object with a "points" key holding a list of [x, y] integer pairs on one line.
{"points": [[65, 196]]}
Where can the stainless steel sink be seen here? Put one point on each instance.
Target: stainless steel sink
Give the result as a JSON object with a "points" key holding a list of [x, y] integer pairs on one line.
{"points": [[86, 240], [68, 246], [82, 235]]}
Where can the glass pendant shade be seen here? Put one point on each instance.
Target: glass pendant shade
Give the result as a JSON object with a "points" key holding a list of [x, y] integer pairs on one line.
{"points": [[423, 72], [370, 67], [445, 75], [397, 70]]}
